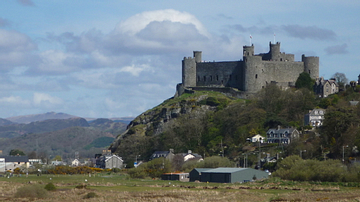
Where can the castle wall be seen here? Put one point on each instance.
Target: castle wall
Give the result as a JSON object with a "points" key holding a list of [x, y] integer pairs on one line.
{"points": [[282, 72], [219, 74]]}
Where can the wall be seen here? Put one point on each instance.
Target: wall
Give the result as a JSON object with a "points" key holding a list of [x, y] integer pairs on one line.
{"points": [[219, 74]]}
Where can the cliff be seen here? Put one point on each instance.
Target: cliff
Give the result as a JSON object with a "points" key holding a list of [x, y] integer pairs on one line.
{"points": [[145, 133]]}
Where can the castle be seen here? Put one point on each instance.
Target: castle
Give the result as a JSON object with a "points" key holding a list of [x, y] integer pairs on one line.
{"points": [[245, 77]]}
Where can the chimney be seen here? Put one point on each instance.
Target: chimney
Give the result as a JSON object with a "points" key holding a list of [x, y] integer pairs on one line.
{"points": [[189, 151]]}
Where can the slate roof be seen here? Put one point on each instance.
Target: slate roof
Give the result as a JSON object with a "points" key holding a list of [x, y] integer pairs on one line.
{"points": [[15, 158], [224, 170]]}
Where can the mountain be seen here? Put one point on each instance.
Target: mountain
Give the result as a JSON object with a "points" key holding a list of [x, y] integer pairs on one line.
{"points": [[63, 142], [4, 122], [108, 125], [15, 130], [39, 117], [60, 136]]}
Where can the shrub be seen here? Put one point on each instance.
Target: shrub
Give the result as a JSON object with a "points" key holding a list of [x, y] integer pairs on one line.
{"points": [[50, 187], [137, 173], [31, 191], [90, 195]]}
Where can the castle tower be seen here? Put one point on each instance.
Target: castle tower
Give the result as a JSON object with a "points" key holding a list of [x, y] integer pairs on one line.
{"points": [[197, 56], [252, 70], [248, 51], [311, 65], [274, 51], [189, 71]]}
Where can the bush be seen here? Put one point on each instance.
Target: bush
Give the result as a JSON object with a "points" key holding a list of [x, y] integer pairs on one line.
{"points": [[31, 191], [137, 173], [50, 187], [90, 195]]}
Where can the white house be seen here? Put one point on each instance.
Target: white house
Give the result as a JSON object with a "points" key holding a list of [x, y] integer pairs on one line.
{"points": [[315, 117], [257, 138]]}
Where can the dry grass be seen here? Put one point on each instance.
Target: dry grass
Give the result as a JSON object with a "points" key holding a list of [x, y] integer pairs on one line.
{"points": [[163, 191]]}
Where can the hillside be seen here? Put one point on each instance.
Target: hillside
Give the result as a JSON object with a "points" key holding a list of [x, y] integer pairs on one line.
{"points": [[39, 117], [210, 124], [15, 130], [145, 132], [63, 142], [4, 122], [60, 136], [108, 125]]}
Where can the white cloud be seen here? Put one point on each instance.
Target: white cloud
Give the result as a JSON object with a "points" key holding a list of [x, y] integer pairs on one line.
{"points": [[138, 22], [14, 101], [135, 70], [42, 99]]}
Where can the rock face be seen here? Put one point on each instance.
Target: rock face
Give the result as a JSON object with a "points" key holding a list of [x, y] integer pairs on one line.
{"points": [[156, 121]]}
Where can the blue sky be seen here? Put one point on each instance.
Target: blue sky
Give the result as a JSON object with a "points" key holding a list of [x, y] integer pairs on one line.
{"points": [[119, 58]]}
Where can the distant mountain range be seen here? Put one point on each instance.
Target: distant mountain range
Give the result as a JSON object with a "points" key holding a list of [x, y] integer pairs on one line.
{"points": [[53, 115], [59, 134]]}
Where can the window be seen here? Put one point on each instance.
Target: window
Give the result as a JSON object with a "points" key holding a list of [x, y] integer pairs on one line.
{"points": [[255, 76], [204, 78]]}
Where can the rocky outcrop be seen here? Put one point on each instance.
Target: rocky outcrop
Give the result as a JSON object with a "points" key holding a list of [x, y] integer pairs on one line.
{"points": [[155, 121]]}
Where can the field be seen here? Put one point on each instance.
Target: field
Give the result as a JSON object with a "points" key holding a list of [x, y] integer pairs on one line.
{"points": [[119, 187]]}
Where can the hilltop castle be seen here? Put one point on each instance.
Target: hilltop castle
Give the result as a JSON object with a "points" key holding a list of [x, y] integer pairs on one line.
{"points": [[247, 76]]}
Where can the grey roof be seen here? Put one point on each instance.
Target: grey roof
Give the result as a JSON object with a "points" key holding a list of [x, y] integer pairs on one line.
{"points": [[282, 130], [15, 158], [202, 169], [224, 170]]}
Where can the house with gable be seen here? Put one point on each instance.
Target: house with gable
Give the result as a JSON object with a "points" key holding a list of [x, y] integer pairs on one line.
{"points": [[324, 88], [282, 135], [191, 156], [169, 155], [109, 161]]}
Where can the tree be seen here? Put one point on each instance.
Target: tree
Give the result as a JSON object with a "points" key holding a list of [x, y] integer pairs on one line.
{"points": [[16, 152], [340, 79], [304, 81], [57, 158]]}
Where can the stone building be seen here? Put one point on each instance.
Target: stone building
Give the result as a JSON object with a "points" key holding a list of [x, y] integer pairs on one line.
{"points": [[282, 135], [246, 76], [324, 88]]}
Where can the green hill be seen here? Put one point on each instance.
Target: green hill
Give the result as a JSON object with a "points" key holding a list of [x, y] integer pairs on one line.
{"points": [[210, 123]]}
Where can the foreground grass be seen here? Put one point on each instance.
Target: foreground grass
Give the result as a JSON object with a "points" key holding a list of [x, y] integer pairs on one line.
{"points": [[119, 187]]}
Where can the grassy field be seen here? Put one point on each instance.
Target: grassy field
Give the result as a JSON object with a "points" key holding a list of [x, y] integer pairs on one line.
{"points": [[119, 187]]}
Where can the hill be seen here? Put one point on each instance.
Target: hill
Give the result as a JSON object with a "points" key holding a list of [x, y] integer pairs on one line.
{"points": [[4, 122], [46, 136], [63, 142], [210, 124], [39, 117], [15, 130]]}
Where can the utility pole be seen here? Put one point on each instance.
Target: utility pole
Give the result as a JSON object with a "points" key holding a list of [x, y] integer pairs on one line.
{"points": [[259, 153], [222, 149]]}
